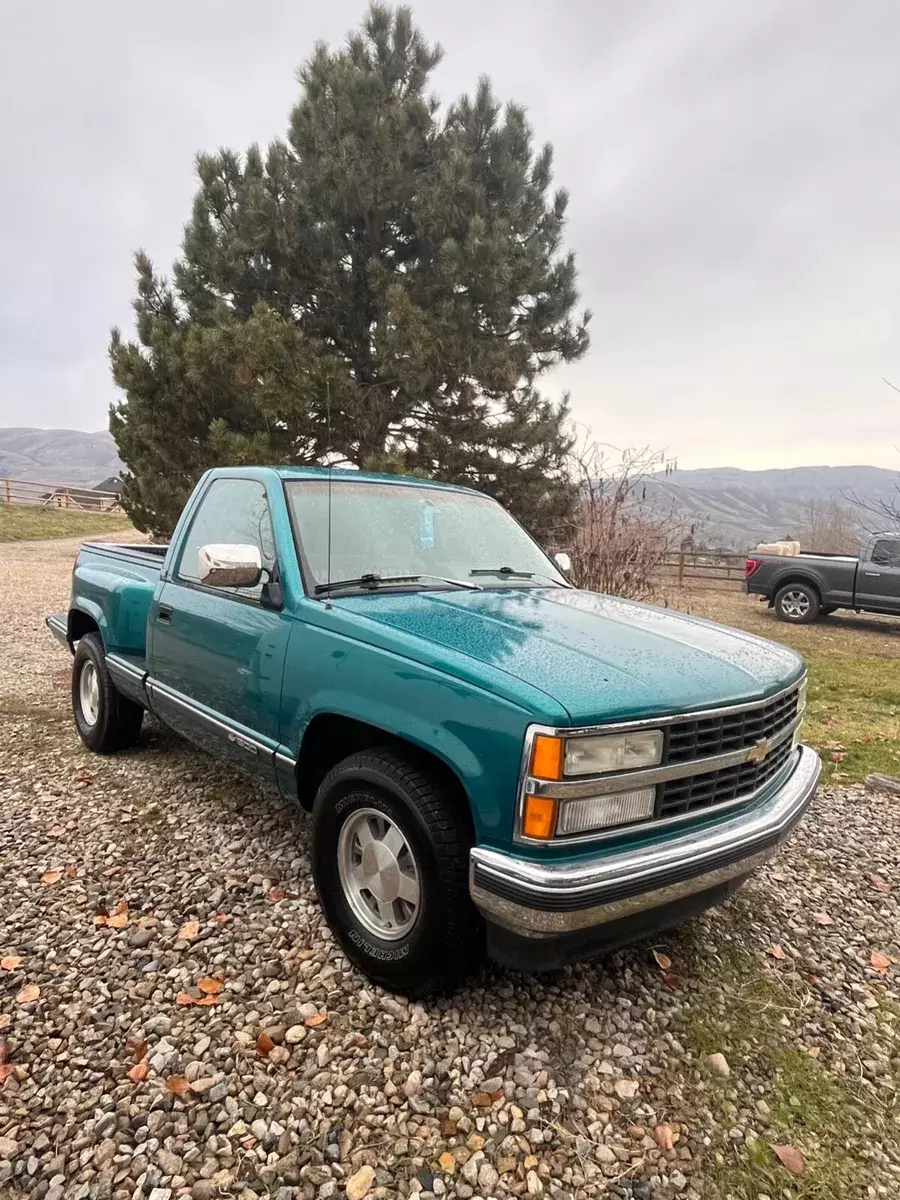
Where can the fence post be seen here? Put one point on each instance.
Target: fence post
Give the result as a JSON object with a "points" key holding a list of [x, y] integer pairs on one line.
{"points": [[681, 569], [8, 492]]}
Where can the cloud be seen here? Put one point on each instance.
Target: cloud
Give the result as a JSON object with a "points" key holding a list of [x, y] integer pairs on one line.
{"points": [[732, 171]]}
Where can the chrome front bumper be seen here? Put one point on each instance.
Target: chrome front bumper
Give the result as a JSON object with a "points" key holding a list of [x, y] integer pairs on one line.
{"points": [[540, 900]]}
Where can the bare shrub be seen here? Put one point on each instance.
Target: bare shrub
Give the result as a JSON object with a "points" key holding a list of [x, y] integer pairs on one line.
{"points": [[617, 540], [828, 526]]}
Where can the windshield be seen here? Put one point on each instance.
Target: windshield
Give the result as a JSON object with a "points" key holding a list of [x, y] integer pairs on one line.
{"points": [[385, 529]]}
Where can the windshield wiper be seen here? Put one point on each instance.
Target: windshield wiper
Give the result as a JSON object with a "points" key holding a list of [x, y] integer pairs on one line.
{"points": [[372, 581], [511, 573]]}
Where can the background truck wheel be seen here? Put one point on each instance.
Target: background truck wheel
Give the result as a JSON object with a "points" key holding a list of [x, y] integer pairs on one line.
{"points": [[390, 855], [106, 721], [797, 603]]}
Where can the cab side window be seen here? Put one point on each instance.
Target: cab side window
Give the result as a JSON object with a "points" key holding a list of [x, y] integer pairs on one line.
{"points": [[235, 511], [886, 552]]}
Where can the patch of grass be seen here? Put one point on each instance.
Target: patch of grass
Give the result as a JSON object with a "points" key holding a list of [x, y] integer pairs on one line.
{"points": [[818, 1114], [151, 816], [853, 718], [854, 712], [20, 523]]}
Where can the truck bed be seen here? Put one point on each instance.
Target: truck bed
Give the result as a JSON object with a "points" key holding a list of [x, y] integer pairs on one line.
{"points": [[113, 585], [145, 552], [813, 554]]}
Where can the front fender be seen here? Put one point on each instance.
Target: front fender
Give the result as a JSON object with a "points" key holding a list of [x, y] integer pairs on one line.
{"points": [[477, 734]]}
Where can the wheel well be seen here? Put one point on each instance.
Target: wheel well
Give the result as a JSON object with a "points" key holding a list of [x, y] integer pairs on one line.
{"points": [[80, 624], [810, 583], [329, 738]]}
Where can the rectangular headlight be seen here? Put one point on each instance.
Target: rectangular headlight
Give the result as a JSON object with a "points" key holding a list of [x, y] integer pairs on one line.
{"points": [[599, 812], [614, 752]]}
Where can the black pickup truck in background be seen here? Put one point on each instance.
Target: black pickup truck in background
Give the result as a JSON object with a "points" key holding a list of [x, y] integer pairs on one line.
{"points": [[803, 587]]}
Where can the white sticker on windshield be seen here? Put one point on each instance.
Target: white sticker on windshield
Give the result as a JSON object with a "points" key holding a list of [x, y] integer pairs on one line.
{"points": [[426, 526]]}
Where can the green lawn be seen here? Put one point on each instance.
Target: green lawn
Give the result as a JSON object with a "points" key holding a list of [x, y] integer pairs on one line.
{"points": [[853, 717], [26, 523], [806, 1105]]}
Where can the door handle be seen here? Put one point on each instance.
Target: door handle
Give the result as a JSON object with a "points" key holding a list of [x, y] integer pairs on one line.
{"points": [[164, 614], [873, 574]]}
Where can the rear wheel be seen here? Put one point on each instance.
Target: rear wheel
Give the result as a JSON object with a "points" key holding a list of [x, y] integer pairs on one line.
{"points": [[106, 721], [390, 852], [797, 603]]}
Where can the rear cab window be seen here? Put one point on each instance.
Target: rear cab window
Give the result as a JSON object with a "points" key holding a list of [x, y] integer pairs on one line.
{"points": [[886, 552]]}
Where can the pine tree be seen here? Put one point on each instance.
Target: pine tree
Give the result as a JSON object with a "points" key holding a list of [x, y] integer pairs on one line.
{"points": [[383, 289]]}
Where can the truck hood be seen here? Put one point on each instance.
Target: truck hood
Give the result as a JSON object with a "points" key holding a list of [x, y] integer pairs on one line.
{"points": [[601, 658]]}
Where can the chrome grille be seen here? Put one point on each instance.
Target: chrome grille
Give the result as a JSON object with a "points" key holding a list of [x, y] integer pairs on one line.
{"points": [[708, 736], [692, 793]]}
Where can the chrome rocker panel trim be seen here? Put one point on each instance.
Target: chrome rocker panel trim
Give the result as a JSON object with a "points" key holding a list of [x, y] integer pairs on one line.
{"points": [[124, 669], [546, 899]]}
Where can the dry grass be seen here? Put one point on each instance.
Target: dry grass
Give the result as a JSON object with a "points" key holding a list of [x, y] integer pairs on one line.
{"points": [[21, 523], [853, 717]]}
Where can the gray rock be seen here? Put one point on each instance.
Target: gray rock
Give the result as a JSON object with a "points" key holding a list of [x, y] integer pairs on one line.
{"points": [[106, 1126], [169, 1163], [158, 1024], [626, 1089], [488, 1178]]}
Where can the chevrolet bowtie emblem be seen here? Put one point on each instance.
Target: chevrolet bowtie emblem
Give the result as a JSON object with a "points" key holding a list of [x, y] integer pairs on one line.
{"points": [[758, 752]]}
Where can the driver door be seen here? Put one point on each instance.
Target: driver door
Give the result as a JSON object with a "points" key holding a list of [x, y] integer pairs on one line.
{"points": [[878, 580], [217, 654]]}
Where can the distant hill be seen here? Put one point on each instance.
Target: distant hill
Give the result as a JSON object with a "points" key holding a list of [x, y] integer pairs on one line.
{"points": [[730, 507], [736, 509], [58, 455]]}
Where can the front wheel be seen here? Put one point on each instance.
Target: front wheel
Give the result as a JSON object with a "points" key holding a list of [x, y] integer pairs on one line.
{"points": [[797, 603], [390, 854], [105, 719]]}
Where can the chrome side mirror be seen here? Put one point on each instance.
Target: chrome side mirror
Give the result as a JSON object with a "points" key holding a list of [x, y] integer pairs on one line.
{"points": [[563, 561], [229, 565]]}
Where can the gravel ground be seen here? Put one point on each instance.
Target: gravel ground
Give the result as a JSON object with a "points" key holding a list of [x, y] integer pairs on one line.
{"points": [[177, 1020]]}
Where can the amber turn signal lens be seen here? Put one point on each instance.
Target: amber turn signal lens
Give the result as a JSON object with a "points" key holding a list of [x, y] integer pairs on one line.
{"points": [[539, 817], [547, 757]]}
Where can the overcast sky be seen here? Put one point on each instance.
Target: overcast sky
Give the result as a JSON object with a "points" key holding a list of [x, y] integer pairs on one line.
{"points": [[733, 169]]}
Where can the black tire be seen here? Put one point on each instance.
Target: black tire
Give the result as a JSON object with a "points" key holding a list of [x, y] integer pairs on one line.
{"points": [[446, 939], [797, 603], [117, 722]]}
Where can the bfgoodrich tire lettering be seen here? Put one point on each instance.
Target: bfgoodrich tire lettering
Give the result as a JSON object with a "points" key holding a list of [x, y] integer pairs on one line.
{"points": [[446, 937], [106, 721]]}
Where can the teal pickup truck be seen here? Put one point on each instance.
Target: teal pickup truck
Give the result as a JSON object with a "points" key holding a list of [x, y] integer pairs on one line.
{"points": [[493, 760]]}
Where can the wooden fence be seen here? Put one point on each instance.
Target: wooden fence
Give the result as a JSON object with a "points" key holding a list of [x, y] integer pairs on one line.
{"points": [[58, 495], [716, 570]]}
